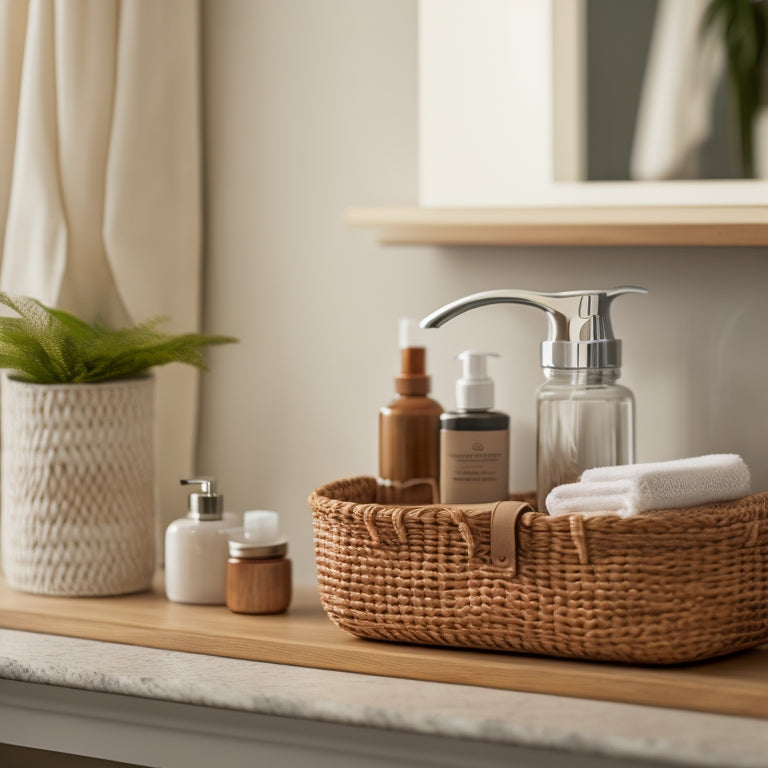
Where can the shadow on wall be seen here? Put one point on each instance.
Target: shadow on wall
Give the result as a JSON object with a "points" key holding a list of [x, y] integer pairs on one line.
{"points": [[729, 414], [697, 361]]}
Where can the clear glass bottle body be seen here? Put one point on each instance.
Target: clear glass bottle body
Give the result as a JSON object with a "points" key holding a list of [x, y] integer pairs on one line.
{"points": [[585, 420]]}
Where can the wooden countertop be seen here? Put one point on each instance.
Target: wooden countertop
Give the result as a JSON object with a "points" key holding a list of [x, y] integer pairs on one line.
{"points": [[735, 685]]}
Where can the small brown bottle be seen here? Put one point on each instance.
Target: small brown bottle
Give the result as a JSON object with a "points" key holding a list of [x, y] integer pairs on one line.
{"points": [[409, 433]]}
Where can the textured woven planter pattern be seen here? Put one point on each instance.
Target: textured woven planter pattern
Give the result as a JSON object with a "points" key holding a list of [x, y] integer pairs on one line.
{"points": [[78, 490]]}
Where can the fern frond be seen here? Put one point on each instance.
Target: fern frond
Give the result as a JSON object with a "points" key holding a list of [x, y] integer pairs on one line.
{"points": [[47, 346]]}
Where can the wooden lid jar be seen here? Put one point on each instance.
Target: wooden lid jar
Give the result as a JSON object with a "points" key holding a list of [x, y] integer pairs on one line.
{"points": [[258, 571]]}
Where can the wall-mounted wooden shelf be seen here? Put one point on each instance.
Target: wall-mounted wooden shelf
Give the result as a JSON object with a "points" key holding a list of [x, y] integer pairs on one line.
{"points": [[647, 225]]}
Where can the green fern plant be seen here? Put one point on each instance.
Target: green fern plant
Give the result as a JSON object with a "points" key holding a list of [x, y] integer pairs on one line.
{"points": [[49, 346]]}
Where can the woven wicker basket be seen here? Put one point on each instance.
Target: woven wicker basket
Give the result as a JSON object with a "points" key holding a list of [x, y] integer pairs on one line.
{"points": [[78, 495], [662, 587]]}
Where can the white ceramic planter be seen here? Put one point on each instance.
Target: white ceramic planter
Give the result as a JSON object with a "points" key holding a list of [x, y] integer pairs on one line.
{"points": [[78, 487]]}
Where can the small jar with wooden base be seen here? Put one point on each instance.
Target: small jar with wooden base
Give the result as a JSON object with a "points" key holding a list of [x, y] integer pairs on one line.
{"points": [[258, 576]]}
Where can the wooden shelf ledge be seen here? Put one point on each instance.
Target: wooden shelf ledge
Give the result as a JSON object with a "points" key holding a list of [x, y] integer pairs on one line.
{"points": [[645, 225]]}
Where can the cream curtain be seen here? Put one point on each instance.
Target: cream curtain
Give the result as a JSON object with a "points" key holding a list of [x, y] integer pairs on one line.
{"points": [[100, 188]]}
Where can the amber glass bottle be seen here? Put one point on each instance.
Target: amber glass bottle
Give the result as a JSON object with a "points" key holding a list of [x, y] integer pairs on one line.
{"points": [[409, 437]]}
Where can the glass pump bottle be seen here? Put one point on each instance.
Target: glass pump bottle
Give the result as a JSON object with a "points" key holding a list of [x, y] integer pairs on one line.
{"points": [[585, 418]]}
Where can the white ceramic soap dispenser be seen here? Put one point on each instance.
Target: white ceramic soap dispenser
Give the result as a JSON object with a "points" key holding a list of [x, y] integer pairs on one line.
{"points": [[196, 548]]}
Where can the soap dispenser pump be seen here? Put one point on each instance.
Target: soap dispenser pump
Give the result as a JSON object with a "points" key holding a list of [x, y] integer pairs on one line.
{"points": [[474, 440], [196, 548], [585, 419]]}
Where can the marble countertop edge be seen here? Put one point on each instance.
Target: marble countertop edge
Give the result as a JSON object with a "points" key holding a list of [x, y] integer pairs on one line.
{"points": [[437, 709]]}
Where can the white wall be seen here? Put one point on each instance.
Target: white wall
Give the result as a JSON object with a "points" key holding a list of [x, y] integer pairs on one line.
{"points": [[311, 108]]}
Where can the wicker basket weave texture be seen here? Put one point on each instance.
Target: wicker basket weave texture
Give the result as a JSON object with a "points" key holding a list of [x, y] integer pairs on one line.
{"points": [[78, 499], [662, 587]]}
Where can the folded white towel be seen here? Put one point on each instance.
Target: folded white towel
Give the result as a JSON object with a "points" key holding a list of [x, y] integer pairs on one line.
{"points": [[632, 488]]}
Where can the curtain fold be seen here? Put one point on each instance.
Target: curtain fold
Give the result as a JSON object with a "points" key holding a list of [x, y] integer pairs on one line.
{"points": [[100, 177], [13, 22]]}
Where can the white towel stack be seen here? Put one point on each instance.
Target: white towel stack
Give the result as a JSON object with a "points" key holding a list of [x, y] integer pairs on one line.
{"points": [[632, 488]]}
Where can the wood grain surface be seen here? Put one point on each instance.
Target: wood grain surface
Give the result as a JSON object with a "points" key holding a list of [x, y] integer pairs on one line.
{"points": [[680, 225], [736, 685]]}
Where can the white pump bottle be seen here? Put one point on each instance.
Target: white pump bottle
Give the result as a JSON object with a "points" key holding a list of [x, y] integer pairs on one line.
{"points": [[196, 548], [474, 440]]}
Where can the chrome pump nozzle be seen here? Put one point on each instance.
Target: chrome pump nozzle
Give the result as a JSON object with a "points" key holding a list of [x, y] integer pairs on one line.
{"points": [[580, 332]]}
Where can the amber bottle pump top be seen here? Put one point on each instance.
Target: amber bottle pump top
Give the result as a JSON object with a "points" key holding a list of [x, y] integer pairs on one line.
{"points": [[413, 378]]}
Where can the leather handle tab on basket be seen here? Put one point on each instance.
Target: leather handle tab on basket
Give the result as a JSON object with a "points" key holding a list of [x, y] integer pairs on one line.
{"points": [[504, 533]]}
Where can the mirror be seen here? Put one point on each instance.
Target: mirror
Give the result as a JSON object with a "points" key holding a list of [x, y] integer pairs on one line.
{"points": [[522, 101], [617, 44]]}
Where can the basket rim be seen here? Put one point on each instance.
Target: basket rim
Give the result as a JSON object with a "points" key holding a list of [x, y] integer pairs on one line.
{"points": [[712, 516]]}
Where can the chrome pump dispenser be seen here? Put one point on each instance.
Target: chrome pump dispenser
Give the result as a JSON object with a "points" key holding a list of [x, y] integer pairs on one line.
{"points": [[585, 419]]}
